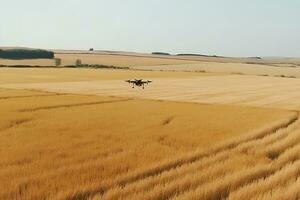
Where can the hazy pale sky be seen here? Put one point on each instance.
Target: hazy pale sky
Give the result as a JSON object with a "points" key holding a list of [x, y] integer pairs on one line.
{"points": [[222, 27]]}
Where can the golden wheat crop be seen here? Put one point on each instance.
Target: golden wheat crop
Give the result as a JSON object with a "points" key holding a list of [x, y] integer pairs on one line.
{"points": [[60, 146], [233, 171], [83, 134]]}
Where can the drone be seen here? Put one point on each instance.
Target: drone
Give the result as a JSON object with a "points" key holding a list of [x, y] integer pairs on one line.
{"points": [[138, 82]]}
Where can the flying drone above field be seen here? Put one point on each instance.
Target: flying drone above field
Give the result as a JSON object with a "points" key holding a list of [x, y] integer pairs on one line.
{"points": [[138, 82]]}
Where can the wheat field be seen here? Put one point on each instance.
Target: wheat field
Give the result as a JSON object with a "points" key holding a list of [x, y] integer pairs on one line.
{"points": [[67, 146], [84, 134]]}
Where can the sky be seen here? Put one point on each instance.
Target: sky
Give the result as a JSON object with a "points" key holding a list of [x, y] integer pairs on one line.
{"points": [[214, 27]]}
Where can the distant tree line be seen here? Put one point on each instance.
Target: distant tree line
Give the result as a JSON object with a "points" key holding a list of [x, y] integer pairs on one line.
{"points": [[258, 58], [161, 53], [26, 54]]}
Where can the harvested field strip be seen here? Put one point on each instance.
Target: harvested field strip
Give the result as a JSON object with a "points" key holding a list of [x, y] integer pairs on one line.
{"points": [[136, 176], [71, 105], [233, 89], [45, 75]]}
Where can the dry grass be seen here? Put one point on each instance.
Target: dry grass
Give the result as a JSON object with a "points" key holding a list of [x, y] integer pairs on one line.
{"points": [[237, 68], [31, 62], [64, 146], [119, 60]]}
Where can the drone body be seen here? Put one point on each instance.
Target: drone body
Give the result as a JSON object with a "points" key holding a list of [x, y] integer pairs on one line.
{"points": [[138, 82]]}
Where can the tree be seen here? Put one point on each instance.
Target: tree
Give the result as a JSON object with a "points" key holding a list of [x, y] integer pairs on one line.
{"points": [[26, 54], [57, 62], [78, 63]]}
